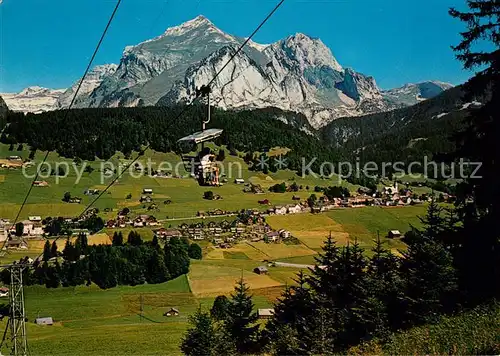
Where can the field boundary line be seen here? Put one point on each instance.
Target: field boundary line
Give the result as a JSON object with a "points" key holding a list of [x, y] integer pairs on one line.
{"points": [[257, 249]]}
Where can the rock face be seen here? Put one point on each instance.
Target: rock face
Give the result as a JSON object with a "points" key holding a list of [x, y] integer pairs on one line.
{"points": [[298, 73], [92, 81], [33, 99], [3, 107]]}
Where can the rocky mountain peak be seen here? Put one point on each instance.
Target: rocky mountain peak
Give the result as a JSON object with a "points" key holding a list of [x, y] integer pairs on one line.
{"points": [[309, 52]]}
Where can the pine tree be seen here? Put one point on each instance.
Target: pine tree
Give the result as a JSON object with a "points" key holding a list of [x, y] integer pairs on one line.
{"points": [[205, 337], [479, 256], [117, 239], [70, 253], [220, 308], [324, 279], [429, 281], [384, 287], [195, 252], [291, 314], [176, 257], [433, 221], [81, 244], [240, 319], [319, 333], [155, 243], [46, 251], [134, 239], [53, 249], [157, 272]]}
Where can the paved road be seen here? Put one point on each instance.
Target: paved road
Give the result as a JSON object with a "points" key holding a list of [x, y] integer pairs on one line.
{"points": [[293, 265]]}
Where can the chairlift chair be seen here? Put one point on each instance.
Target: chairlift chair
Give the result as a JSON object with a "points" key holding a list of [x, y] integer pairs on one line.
{"points": [[204, 168]]}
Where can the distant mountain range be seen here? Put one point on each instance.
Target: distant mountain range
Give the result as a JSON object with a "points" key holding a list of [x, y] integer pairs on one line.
{"points": [[33, 99], [298, 73]]}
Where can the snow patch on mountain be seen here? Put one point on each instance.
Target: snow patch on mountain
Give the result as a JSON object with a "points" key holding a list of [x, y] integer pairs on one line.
{"points": [[33, 99]]}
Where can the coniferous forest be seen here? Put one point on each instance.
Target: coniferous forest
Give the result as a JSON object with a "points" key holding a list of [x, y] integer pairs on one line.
{"points": [[125, 262]]}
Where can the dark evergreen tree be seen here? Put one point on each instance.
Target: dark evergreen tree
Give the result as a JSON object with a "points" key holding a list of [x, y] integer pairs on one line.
{"points": [[117, 239], [176, 257], [46, 251], [220, 307], [205, 337], [240, 321], [70, 253], [157, 272], [429, 281], [134, 239], [195, 252], [382, 306], [479, 257], [53, 249], [291, 314], [81, 244], [155, 243], [19, 229]]}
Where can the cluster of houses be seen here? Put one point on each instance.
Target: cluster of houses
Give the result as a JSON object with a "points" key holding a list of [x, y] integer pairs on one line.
{"points": [[250, 225], [31, 228], [123, 221]]}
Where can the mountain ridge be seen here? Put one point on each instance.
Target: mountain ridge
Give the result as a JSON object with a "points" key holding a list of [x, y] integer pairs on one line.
{"points": [[298, 73]]}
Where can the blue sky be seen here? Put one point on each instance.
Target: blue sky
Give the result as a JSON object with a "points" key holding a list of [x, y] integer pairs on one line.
{"points": [[49, 43]]}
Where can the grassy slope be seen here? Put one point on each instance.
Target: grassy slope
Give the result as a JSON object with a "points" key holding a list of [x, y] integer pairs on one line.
{"points": [[90, 321], [472, 333]]}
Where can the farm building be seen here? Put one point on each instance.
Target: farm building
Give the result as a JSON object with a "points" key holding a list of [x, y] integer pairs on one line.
{"points": [[273, 236], [239, 181], [40, 183], [147, 191], [266, 313], [17, 243], [4, 292], [261, 270], [394, 234], [35, 218], [44, 321], [172, 312]]}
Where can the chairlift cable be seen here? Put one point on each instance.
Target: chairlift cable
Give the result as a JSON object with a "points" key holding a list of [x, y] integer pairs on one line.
{"points": [[198, 95], [68, 109]]}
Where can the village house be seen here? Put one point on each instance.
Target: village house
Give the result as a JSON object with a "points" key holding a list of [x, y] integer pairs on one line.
{"points": [[44, 321], [147, 191], [273, 236], [35, 218], [31, 228], [266, 313], [172, 312], [280, 210], [239, 181], [111, 224], [284, 234], [294, 209], [168, 233], [14, 158], [40, 183], [394, 234], [151, 221], [17, 243], [146, 199], [4, 292], [261, 270], [138, 222], [75, 200]]}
